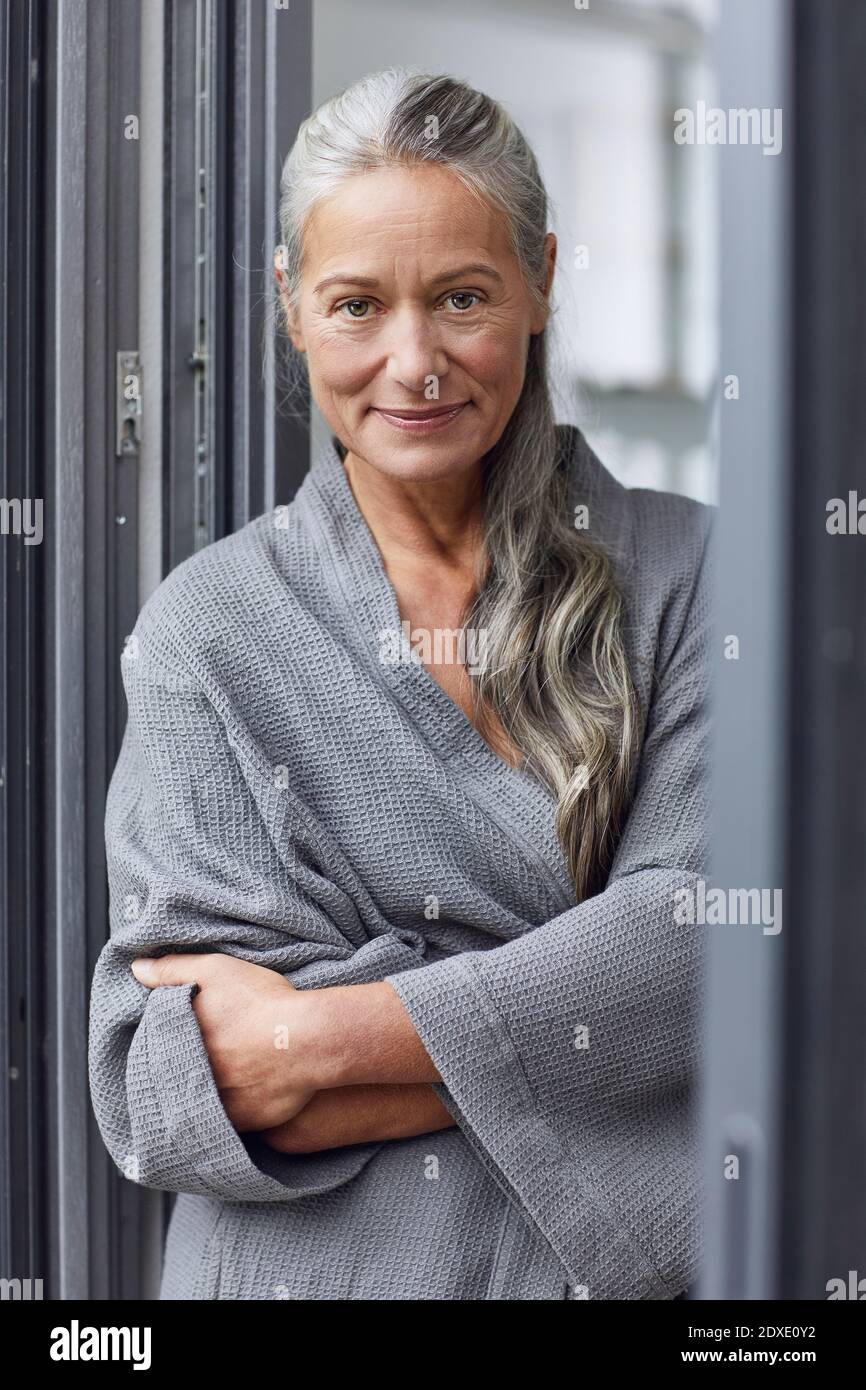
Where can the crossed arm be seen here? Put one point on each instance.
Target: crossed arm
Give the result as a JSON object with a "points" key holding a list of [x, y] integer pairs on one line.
{"points": [[307, 1069]]}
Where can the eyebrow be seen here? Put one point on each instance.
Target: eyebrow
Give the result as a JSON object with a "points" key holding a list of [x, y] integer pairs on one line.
{"points": [[370, 283]]}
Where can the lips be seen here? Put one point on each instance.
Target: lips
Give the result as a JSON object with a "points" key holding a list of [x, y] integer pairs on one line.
{"points": [[420, 414], [421, 423]]}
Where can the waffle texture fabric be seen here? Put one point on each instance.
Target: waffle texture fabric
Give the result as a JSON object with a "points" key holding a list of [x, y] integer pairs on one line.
{"points": [[284, 794]]}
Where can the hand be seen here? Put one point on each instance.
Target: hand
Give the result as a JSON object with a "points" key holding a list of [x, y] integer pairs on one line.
{"points": [[247, 1014]]}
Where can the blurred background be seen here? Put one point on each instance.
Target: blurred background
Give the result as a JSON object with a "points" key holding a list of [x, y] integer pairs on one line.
{"points": [[710, 339]]}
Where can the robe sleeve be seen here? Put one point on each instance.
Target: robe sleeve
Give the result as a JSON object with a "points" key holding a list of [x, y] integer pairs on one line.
{"points": [[192, 867], [569, 1055]]}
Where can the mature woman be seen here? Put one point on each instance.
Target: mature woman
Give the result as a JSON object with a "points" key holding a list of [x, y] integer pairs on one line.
{"points": [[397, 994]]}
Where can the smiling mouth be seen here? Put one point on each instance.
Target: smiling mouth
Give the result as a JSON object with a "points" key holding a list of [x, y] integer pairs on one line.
{"points": [[421, 421], [420, 414]]}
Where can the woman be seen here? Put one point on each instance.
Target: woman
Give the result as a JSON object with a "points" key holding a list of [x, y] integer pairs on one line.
{"points": [[396, 996]]}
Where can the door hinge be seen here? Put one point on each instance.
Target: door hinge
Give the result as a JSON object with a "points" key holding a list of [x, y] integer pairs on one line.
{"points": [[128, 403]]}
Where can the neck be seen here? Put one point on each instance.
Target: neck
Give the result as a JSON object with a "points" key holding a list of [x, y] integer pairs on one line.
{"points": [[420, 520]]}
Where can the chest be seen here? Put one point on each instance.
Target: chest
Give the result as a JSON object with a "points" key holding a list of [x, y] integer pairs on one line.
{"points": [[432, 607]]}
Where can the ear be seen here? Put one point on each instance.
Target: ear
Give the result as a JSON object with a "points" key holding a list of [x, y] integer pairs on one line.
{"points": [[291, 315], [540, 320]]}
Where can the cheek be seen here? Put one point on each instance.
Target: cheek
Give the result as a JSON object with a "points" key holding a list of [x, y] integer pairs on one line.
{"points": [[496, 359], [342, 365], [337, 364]]}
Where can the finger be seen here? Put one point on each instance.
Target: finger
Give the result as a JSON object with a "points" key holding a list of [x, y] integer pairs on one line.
{"points": [[168, 970]]}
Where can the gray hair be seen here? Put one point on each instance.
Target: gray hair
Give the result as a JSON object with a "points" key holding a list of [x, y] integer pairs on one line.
{"points": [[554, 670]]}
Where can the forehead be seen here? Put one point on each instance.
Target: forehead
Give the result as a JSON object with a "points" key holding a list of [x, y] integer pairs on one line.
{"points": [[406, 218]]}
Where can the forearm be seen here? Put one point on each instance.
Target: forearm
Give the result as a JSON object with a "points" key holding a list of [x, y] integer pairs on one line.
{"points": [[364, 1037], [360, 1115]]}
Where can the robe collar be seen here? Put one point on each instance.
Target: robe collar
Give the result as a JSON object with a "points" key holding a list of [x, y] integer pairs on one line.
{"points": [[514, 797]]}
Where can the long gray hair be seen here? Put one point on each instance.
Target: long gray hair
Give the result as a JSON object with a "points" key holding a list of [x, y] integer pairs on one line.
{"points": [[554, 669]]}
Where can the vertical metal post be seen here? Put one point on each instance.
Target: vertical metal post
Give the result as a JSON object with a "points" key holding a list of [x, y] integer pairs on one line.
{"points": [[743, 1074], [24, 482], [822, 1192], [239, 85], [272, 84], [91, 65], [68, 981]]}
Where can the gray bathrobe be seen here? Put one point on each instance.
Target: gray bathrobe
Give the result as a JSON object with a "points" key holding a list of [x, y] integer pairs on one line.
{"points": [[286, 795]]}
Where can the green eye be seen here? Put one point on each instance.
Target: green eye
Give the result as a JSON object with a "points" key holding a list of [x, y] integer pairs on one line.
{"points": [[461, 300], [353, 304], [464, 295]]}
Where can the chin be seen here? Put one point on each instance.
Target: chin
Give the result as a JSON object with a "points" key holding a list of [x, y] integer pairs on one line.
{"points": [[427, 456], [420, 463]]}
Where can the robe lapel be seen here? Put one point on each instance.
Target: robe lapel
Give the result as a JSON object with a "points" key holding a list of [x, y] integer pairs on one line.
{"points": [[513, 798]]}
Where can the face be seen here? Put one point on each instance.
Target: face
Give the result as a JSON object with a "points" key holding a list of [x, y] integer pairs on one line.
{"points": [[415, 320]]}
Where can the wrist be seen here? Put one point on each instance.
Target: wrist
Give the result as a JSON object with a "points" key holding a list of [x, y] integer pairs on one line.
{"points": [[336, 1034], [364, 1036]]}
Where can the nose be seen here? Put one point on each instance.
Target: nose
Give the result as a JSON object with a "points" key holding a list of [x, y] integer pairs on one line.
{"points": [[415, 352]]}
